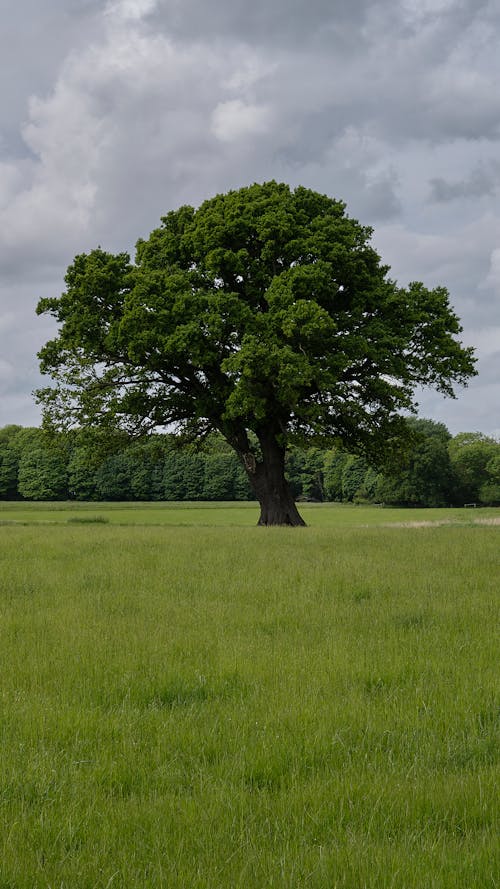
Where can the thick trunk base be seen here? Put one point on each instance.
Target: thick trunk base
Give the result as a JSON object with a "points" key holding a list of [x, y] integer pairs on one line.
{"points": [[277, 507], [267, 478], [271, 514]]}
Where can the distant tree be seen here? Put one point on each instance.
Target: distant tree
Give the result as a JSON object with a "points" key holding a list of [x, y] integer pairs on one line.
{"points": [[23, 439], [113, 479], [367, 491], [9, 433], [353, 476], [8, 472], [294, 471], [220, 477], [470, 454], [489, 492], [266, 315], [174, 475], [333, 468], [242, 488], [194, 476], [147, 459], [82, 468], [313, 484], [426, 477], [42, 475]]}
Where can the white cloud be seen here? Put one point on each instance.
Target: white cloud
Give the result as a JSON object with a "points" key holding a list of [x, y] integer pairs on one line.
{"points": [[486, 340], [421, 9], [115, 104], [131, 10], [7, 375], [493, 277], [11, 181], [236, 119]]}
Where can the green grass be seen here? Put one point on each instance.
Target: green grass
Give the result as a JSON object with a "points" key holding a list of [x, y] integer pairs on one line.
{"points": [[212, 514], [221, 707]]}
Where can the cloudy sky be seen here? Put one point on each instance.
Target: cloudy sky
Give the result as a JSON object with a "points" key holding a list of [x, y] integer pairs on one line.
{"points": [[113, 113]]}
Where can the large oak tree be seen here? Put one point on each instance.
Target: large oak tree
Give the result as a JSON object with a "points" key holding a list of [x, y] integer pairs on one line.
{"points": [[264, 314]]}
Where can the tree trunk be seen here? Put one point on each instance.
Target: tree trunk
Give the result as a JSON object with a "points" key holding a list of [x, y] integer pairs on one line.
{"points": [[267, 477], [277, 507]]}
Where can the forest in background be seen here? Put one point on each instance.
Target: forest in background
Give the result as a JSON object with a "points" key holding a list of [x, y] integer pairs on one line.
{"points": [[441, 470]]}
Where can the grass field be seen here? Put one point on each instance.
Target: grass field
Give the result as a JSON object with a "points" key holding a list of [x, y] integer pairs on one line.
{"points": [[331, 515], [191, 702]]}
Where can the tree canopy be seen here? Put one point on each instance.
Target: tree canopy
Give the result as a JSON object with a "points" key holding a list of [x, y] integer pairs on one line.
{"points": [[264, 314]]}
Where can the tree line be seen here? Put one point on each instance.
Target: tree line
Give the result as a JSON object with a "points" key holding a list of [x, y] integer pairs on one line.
{"points": [[439, 470]]}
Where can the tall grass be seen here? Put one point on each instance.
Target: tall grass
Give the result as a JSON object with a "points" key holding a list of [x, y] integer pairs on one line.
{"points": [[241, 707]]}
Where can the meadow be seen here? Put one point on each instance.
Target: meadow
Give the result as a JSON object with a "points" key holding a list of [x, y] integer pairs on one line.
{"points": [[191, 702]]}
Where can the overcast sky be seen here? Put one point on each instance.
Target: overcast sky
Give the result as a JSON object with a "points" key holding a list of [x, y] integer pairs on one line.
{"points": [[113, 113]]}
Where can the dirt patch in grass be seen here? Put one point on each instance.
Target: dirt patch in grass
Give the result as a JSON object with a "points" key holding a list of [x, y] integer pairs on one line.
{"points": [[440, 523], [491, 521]]}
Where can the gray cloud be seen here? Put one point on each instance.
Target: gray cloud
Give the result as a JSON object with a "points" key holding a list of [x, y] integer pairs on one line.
{"points": [[116, 112], [33, 45], [472, 411], [484, 180], [280, 23]]}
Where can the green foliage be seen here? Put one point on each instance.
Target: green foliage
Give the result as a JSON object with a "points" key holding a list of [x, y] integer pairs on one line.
{"points": [[473, 457], [353, 475], [489, 491], [148, 456], [204, 476], [175, 471], [161, 468], [335, 461], [194, 477], [221, 474], [426, 478], [23, 439], [82, 467], [367, 491], [294, 471], [146, 482], [219, 477], [42, 475], [8, 472], [264, 314], [8, 434], [312, 473], [113, 479]]}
